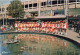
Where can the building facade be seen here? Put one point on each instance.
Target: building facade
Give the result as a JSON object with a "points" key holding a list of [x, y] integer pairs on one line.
{"points": [[45, 8]]}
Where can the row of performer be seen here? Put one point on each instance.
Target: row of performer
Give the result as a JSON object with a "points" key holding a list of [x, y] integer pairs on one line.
{"points": [[54, 27], [42, 24]]}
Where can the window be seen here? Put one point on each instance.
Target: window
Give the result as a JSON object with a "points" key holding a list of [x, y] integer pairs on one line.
{"points": [[43, 3], [0, 9], [26, 6], [30, 5], [35, 5], [72, 1], [54, 2]]}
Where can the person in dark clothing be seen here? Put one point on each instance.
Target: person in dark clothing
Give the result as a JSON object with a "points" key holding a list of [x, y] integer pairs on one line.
{"points": [[79, 30], [75, 26], [78, 27], [79, 33]]}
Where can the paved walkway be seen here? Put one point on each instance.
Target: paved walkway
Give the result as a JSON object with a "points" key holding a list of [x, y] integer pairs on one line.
{"points": [[72, 35]]}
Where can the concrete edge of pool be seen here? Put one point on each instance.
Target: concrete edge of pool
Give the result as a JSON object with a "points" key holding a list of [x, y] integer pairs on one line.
{"points": [[74, 41]]}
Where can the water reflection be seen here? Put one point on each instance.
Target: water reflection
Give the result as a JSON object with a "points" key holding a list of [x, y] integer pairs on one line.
{"points": [[36, 44]]}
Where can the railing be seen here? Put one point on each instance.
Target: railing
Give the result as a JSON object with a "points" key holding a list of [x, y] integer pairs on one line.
{"points": [[58, 5]]}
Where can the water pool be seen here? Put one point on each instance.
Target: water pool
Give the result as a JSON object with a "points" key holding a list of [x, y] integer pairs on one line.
{"points": [[36, 44]]}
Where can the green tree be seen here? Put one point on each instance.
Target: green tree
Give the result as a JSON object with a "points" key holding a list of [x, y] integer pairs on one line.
{"points": [[15, 9]]}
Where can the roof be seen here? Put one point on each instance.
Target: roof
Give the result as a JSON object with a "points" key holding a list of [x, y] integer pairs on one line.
{"points": [[56, 16]]}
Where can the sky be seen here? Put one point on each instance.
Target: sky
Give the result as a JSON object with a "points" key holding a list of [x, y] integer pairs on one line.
{"points": [[8, 1]]}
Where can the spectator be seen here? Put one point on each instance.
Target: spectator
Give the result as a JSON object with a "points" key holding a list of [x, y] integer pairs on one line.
{"points": [[78, 28], [75, 26]]}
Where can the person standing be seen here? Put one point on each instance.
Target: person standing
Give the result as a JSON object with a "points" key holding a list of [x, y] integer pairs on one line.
{"points": [[79, 32], [75, 26], [78, 28]]}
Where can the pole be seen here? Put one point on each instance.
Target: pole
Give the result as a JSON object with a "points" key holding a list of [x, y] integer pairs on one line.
{"points": [[39, 7], [3, 21], [2, 15], [28, 5], [57, 4], [51, 8], [76, 4], [32, 5], [66, 10], [46, 4], [66, 13], [37, 4], [6, 20]]}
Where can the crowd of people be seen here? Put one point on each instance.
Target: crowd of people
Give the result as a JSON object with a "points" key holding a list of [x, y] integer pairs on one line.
{"points": [[77, 27], [58, 27], [6, 28]]}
